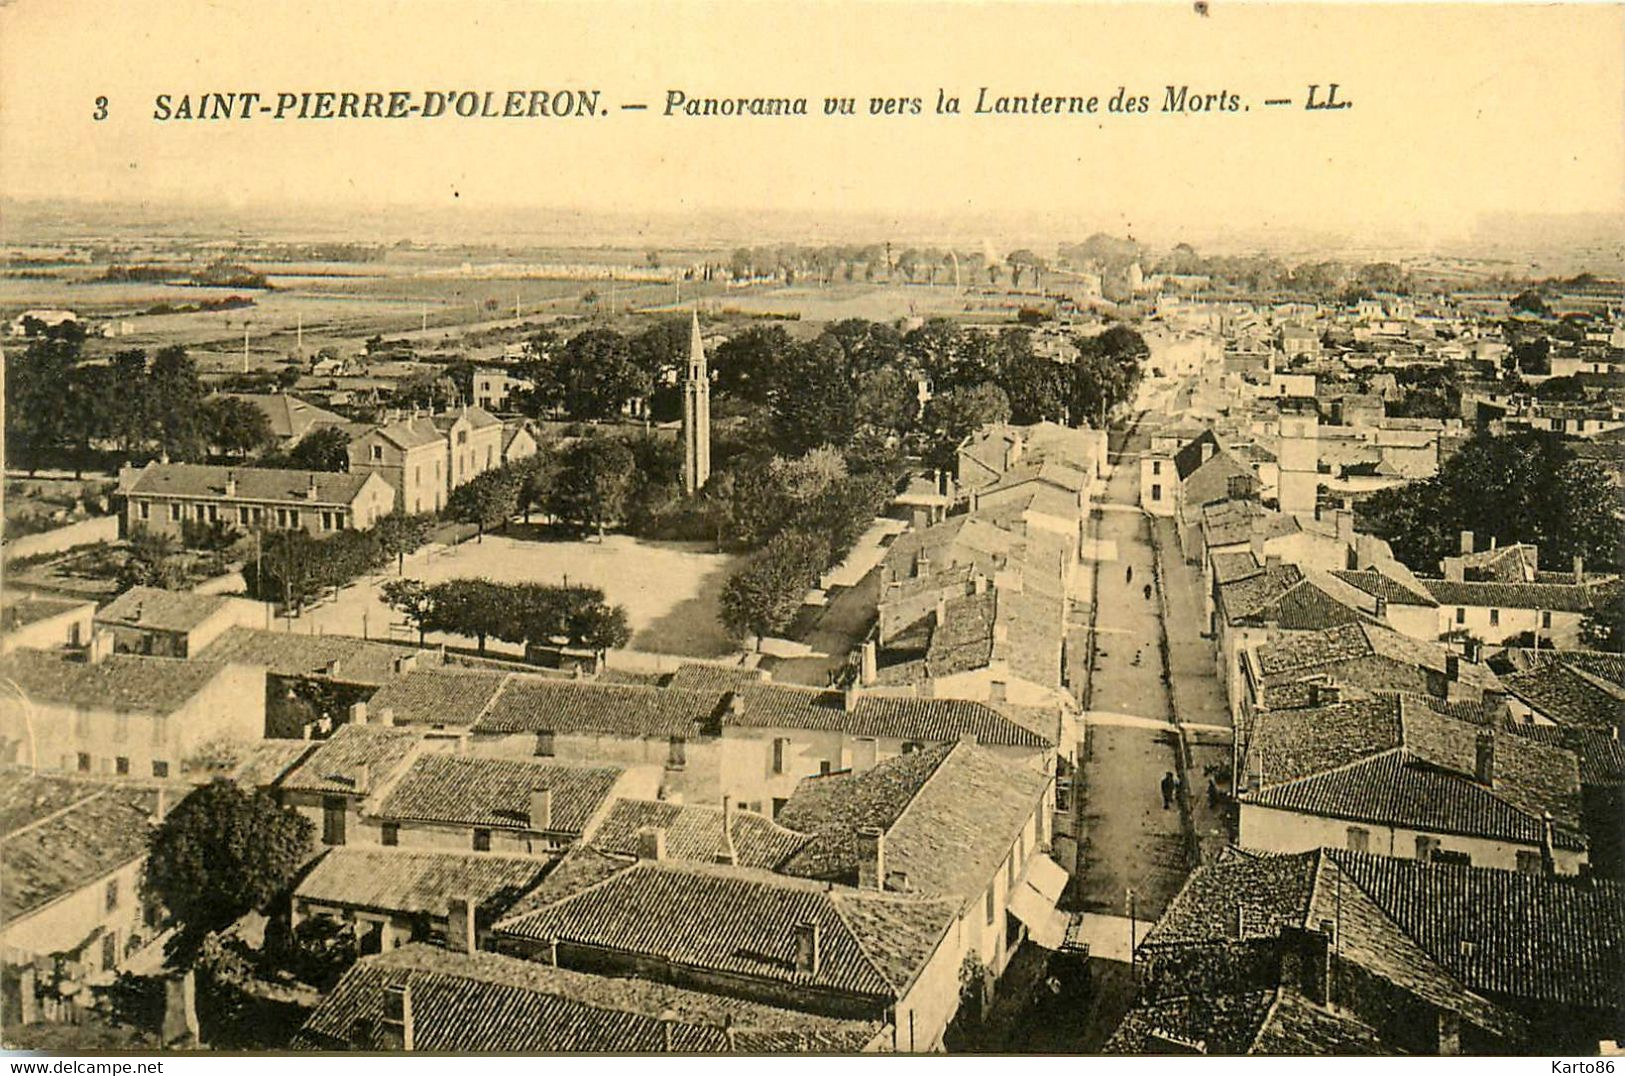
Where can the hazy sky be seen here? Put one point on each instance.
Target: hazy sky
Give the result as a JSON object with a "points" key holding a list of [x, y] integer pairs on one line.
{"points": [[1458, 110]]}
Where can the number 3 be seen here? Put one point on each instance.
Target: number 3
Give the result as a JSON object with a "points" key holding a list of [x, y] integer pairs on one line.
{"points": [[101, 109]]}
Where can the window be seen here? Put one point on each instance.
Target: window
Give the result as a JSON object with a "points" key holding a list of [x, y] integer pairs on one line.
{"points": [[1156, 491], [121, 766], [1359, 839], [462, 437], [1546, 618], [112, 894], [1495, 617], [146, 510], [334, 809], [160, 768], [1530, 863], [377, 453], [327, 521], [1010, 872], [282, 517], [779, 746], [391, 834], [987, 902], [544, 743], [1461, 615], [174, 513], [778, 804], [341, 520], [482, 840], [417, 474], [823, 767], [677, 753], [1156, 466], [293, 518], [488, 457], [242, 514], [84, 762], [214, 514]]}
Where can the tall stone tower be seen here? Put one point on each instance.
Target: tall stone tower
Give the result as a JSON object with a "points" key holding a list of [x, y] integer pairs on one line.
{"points": [[696, 413]]}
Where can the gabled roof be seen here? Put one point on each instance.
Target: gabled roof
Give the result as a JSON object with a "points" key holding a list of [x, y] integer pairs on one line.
{"points": [[535, 704], [1239, 897], [415, 882], [123, 683], [342, 658], [156, 609], [290, 417], [63, 834], [441, 695], [743, 922], [355, 761], [897, 717], [411, 433], [1286, 595], [1567, 696], [252, 484], [694, 833], [1379, 585], [466, 790], [1255, 1022], [1211, 480], [482, 1002], [1553, 597]]}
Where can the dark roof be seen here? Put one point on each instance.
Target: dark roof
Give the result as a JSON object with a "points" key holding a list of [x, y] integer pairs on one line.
{"points": [[63, 835], [1378, 585], [161, 610], [533, 704], [1258, 1022], [337, 657], [441, 695], [697, 676], [18, 610], [1602, 757], [125, 683], [694, 833], [1283, 594], [420, 882], [743, 922], [1397, 788], [355, 761], [464, 790], [483, 1002], [253, 483], [290, 417], [1240, 896], [1566, 696], [898, 717], [1558, 940], [1555, 597]]}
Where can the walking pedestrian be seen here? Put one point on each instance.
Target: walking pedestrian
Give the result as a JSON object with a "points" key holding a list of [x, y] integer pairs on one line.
{"points": [[1212, 794], [1167, 790], [1147, 592], [1128, 574]]}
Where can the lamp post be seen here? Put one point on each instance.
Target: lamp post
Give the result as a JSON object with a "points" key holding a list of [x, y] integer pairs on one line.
{"points": [[28, 721]]}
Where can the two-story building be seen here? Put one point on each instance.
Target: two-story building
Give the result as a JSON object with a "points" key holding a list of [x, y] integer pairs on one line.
{"points": [[162, 497]]}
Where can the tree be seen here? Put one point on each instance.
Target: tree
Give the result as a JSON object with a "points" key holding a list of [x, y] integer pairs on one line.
{"points": [[950, 417], [410, 598], [1105, 374], [812, 401], [762, 597], [885, 400], [398, 534], [488, 500], [477, 608], [746, 366], [1036, 387], [236, 427], [176, 409], [326, 449], [221, 853], [1603, 627], [152, 561], [594, 479], [1530, 301], [597, 375]]}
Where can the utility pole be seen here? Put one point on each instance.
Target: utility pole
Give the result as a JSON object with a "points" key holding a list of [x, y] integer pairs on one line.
{"points": [[425, 309], [300, 331], [245, 345]]}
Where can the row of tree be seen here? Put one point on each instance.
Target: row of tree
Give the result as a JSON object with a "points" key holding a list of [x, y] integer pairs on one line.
{"points": [[533, 614], [295, 568]]}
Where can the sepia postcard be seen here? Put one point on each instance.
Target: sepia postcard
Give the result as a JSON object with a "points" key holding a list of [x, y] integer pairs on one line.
{"points": [[782, 529]]}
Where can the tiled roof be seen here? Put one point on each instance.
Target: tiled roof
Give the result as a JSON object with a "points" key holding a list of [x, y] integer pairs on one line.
{"points": [[290, 417], [1034, 625], [291, 654], [694, 833], [1231, 565], [1211, 481], [1397, 788], [264, 763], [161, 610], [698, 676], [124, 683], [964, 640], [1255, 894], [1558, 940], [1296, 1027], [898, 717], [1378, 585], [465, 790], [1290, 744], [355, 761], [1565, 696], [738, 921], [1555, 597], [19, 610], [412, 433], [80, 832], [253, 483], [483, 1002], [1256, 1022], [532, 704], [418, 882], [441, 695], [1297, 655], [1601, 756]]}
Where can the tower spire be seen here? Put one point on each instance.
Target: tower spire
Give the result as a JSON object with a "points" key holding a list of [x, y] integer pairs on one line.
{"points": [[696, 412]]}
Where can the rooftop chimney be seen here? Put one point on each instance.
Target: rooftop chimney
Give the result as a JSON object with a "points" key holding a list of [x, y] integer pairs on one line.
{"points": [[868, 662], [1326, 694], [1484, 764], [310, 490], [736, 703], [849, 697], [807, 955], [1345, 526], [397, 1026], [652, 843], [941, 617], [725, 851], [1579, 568], [231, 484], [386, 715], [541, 809], [1466, 543], [358, 713], [99, 646], [1548, 844], [1452, 667], [871, 857], [922, 565], [460, 932]]}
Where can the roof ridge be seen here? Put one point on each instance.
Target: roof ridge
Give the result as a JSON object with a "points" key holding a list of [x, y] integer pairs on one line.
{"points": [[54, 815], [1318, 774]]}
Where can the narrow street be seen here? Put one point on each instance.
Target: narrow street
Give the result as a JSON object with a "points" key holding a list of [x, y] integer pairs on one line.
{"points": [[1134, 843]]}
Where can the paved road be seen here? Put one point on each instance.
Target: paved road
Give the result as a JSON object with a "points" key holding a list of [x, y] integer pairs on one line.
{"points": [[1132, 840]]}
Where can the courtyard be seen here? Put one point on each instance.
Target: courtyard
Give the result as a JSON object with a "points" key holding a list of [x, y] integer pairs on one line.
{"points": [[669, 589]]}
